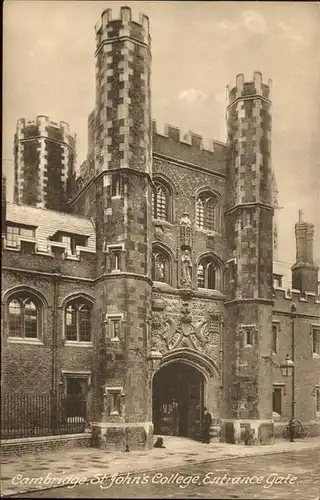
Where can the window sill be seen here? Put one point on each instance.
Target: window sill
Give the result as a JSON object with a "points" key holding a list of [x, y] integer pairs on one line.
{"points": [[159, 222], [12, 249], [77, 343], [20, 340], [315, 355], [114, 339], [114, 413], [71, 256], [210, 290], [207, 292], [276, 416], [208, 232]]}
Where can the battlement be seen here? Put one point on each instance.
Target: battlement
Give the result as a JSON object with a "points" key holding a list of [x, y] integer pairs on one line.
{"points": [[40, 127], [57, 249], [50, 234], [108, 28], [252, 87], [190, 138], [28, 258], [295, 296]]}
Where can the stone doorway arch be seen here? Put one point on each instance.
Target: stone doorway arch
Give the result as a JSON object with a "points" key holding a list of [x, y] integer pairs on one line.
{"points": [[185, 382]]}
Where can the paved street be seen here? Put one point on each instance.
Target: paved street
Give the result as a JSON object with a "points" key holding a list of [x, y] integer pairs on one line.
{"points": [[294, 476]]}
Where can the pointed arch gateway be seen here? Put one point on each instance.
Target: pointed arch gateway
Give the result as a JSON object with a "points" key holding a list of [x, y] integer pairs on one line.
{"points": [[185, 383]]}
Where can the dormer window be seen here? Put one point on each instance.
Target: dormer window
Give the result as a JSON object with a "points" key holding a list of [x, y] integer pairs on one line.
{"points": [[71, 241], [14, 232]]}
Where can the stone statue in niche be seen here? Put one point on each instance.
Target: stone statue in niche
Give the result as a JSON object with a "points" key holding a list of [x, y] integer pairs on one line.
{"points": [[186, 268], [185, 220], [185, 232]]}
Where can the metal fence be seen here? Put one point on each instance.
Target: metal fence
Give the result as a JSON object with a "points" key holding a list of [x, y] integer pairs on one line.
{"points": [[46, 414]]}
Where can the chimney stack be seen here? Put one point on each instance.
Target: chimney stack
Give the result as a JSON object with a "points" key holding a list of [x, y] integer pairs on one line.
{"points": [[304, 272]]}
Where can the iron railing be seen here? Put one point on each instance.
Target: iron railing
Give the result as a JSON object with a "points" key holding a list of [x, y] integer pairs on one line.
{"points": [[30, 415]]}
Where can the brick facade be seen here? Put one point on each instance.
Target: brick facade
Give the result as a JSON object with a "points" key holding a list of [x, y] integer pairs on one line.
{"points": [[209, 304]]}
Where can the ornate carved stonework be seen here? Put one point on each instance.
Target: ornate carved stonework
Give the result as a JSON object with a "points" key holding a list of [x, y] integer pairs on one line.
{"points": [[158, 230], [202, 335], [186, 269]]}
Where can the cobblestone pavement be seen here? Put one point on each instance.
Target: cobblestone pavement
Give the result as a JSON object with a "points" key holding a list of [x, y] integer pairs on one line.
{"points": [[294, 476], [43, 470]]}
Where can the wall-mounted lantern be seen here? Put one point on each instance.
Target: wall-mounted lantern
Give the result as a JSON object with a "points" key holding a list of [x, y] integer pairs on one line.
{"points": [[286, 366]]}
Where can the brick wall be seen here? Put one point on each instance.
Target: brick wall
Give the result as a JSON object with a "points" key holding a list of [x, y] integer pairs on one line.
{"points": [[29, 366], [22, 447], [307, 365]]}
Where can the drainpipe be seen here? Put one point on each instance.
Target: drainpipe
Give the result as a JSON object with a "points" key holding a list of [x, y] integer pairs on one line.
{"points": [[56, 278], [54, 401], [293, 396], [126, 301]]}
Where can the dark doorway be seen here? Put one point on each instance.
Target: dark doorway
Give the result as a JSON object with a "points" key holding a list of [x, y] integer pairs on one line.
{"points": [[178, 400], [75, 400], [74, 387]]}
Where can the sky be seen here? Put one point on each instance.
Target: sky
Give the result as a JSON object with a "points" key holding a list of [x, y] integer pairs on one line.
{"points": [[198, 48]]}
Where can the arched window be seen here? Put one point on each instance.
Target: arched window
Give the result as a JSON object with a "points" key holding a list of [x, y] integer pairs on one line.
{"points": [[160, 266], [78, 320], [24, 316], [208, 274], [161, 202], [207, 212]]}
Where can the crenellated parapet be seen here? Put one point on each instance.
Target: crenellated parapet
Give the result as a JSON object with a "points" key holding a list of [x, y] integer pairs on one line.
{"points": [[36, 236], [123, 25], [44, 126], [195, 141], [290, 295], [55, 249], [244, 89], [123, 130]]}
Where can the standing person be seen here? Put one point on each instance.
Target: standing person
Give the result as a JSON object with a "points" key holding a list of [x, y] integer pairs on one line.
{"points": [[292, 428], [207, 421]]}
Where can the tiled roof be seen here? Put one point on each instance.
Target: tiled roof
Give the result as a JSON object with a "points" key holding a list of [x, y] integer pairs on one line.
{"points": [[48, 222]]}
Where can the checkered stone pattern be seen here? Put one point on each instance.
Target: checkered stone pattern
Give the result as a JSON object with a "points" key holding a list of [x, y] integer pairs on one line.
{"points": [[44, 162], [249, 187], [123, 148], [248, 222], [123, 102]]}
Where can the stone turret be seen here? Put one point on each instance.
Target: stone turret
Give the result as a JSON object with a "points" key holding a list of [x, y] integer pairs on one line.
{"points": [[248, 220], [44, 163], [123, 153]]}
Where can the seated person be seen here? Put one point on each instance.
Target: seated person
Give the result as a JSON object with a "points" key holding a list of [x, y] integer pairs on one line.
{"points": [[159, 443]]}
